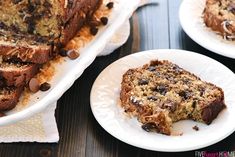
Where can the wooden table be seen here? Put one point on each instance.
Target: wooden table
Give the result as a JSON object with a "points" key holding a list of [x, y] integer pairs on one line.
{"points": [[153, 27]]}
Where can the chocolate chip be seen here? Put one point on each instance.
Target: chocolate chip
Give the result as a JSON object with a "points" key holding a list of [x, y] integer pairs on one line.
{"points": [[94, 30], [34, 85], [104, 20], [63, 52], [73, 54], [185, 94], [16, 1], [149, 127], [2, 25], [45, 86], [152, 98], [31, 28], [151, 68], [162, 89], [170, 105], [143, 82], [194, 104], [196, 128], [110, 5]]}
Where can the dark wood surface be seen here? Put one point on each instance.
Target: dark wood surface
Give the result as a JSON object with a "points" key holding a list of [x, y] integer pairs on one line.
{"points": [[152, 27]]}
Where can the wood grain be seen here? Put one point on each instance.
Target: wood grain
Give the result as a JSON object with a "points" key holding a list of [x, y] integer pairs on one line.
{"points": [[152, 27]]}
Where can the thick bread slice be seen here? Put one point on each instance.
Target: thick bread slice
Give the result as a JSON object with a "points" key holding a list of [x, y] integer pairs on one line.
{"points": [[47, 18], [16, 74], [161, 93], [9, 97]]}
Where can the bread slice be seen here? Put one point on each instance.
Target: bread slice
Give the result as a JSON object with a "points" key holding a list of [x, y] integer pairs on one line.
{"points": [[161, 93], [59, 21], [48, 18], [9, 97], [25, 48], [219, 15], [16, 74]]}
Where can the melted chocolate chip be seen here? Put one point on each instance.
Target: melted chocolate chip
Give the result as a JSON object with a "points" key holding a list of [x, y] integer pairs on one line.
{"points": [[149, 127], [170, 105], [194, 104], [151, 68], [185, 94], [152, 98], [162, 89], [143, 82]]}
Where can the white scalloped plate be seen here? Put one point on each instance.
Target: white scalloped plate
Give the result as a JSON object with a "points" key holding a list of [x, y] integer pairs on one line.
{"points": [[69, 71], [190, 15], [105, 96]]}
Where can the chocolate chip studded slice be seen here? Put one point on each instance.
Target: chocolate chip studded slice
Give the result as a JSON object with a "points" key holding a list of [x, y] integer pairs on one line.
{"points": [[161, 93]]}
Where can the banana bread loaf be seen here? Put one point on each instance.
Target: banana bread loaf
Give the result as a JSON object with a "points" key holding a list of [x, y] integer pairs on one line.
{"points": [[161, 93]]}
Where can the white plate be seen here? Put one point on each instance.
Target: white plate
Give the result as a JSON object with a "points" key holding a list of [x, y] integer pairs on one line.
{"points": [[192, 22], [69, 71], [105, 96]]}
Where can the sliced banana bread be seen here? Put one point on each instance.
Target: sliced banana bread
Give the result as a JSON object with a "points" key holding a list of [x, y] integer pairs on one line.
{"points": [[9, 97], [219, 15], [48, 18], [161, 93], [16, 74]]}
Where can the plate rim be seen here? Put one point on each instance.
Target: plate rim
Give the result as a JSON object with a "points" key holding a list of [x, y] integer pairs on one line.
{"points": [[127, 141], [195, 38]]}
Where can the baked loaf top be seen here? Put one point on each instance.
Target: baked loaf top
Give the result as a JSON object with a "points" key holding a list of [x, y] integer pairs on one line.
{"points": [[219, 15], [161, 93]]}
